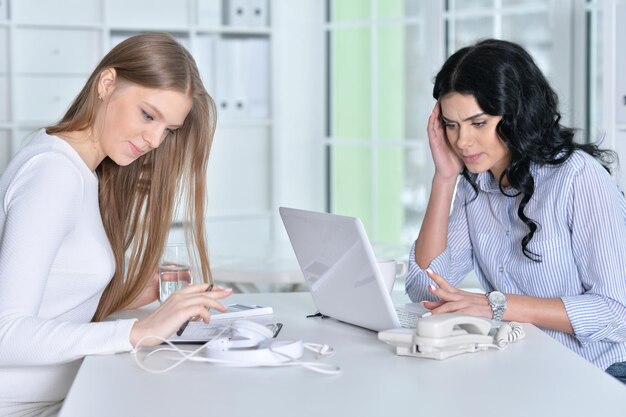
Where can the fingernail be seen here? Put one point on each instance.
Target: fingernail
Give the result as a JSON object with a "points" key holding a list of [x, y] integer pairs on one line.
{"points": [[427, 314], [432, 287], [429, 271]]}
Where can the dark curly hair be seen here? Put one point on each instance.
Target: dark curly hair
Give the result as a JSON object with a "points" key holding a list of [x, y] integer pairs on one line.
{"points": [[505, 81]]}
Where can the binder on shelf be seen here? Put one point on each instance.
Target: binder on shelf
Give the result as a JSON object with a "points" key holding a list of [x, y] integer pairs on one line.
{"points": [[209, 13], [224, 78], [258, 13], [257, 77], [242, 78], [244, 13], [204, 55], [238, 84], [235, 12]]}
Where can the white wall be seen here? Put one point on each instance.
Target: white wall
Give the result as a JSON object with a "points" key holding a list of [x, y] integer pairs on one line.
{"points": [[298, 106], [614, 79]]}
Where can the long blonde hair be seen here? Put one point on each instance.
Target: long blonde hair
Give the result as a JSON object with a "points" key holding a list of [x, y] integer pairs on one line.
{"points": [[138, 201]]}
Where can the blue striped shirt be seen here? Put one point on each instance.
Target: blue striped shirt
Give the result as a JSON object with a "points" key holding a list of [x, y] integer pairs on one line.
{"points": [[581, 239]]}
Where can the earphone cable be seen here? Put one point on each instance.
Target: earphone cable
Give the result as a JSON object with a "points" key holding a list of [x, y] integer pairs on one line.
{"points": [[192, 355]]}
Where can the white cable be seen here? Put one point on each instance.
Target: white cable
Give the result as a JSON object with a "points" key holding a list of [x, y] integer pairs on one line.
{"points": [[186, 354], [274, 348], [322, 368], [508, 333]]}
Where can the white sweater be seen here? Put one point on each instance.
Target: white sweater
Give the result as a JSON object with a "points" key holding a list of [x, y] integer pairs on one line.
{"points": [[55, 261]]}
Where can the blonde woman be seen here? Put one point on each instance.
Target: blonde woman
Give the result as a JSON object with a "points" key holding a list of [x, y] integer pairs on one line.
{"points": [[86, 208]]}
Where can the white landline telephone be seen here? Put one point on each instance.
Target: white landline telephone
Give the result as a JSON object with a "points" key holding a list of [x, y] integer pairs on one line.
{"points": [[441, 336]]}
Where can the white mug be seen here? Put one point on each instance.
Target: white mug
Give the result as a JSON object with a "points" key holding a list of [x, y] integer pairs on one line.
{"points": [[391, 269]]}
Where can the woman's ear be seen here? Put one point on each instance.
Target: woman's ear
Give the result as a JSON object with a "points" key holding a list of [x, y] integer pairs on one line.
{"points": [[106, 82]]}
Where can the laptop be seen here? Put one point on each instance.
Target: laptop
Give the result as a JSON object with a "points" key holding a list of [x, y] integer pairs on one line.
{"points": [[339, 267]]}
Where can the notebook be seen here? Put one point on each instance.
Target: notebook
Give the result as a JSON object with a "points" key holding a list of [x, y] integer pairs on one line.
{"points": [[339, 267]]}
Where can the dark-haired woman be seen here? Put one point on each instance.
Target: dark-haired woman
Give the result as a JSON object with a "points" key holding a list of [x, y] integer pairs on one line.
{"points": [[536, 215]]}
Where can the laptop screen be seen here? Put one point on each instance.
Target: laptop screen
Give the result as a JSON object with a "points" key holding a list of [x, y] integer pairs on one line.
{"points": [[340, 268]]}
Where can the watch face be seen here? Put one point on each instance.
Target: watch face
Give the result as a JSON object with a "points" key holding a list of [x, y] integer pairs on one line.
{"points": [[496, 297]]}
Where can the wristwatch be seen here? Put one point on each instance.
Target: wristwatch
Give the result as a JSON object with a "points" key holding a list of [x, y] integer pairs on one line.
{"points": [[497, 301]]}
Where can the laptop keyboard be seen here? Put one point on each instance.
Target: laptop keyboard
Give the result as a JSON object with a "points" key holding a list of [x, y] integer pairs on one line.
{"points": [[408, 319]]}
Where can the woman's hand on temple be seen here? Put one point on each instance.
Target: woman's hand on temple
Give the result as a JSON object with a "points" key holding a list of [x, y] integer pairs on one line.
{"points": [[453, 299], [191, 301], [447, 163]]}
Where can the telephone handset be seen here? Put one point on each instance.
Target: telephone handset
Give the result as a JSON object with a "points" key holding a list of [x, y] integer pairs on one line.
{"points": [[441, 336]]}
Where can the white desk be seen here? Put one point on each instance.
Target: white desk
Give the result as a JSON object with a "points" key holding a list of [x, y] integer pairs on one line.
{"points": [[533, 377]]}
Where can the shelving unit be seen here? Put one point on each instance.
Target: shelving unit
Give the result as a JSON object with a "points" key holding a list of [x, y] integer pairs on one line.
{"points": [[49, 48], [259, 161]]}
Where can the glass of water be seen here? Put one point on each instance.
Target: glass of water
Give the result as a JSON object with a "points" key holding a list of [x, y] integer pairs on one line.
{"points": [[174, 270]]}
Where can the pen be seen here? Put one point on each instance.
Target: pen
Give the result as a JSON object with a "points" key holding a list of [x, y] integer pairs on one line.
{"points": [[277, 328], [184, 326]]}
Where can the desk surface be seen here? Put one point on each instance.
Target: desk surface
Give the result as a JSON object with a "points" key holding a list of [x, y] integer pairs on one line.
{"points": [[536, 376]]}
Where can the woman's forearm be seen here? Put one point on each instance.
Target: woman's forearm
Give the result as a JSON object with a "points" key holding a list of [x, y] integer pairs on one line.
{"points": [[548, 313], [433, 235]]}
